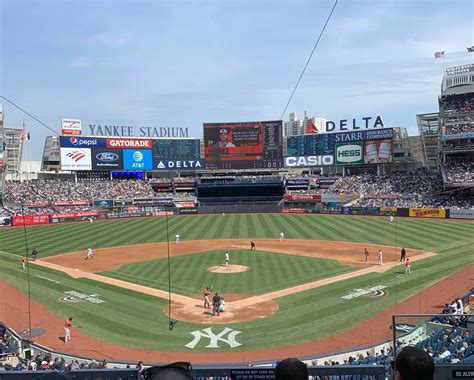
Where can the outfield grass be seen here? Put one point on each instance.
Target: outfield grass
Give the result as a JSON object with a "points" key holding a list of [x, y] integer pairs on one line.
{"points": [[137, 321], [268, 272]]}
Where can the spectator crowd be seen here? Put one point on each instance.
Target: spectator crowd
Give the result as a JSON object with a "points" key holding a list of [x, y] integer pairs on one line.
{"points": [[459, 171]]}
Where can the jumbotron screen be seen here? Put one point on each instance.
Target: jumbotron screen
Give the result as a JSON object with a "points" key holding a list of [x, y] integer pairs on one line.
{"points": [[248, 145]]}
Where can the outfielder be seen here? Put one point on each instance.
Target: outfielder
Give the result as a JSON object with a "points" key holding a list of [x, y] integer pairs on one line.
{"points": [[177, 238]]}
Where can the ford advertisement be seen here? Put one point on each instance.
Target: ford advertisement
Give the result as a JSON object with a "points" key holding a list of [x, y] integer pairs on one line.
{"points": [[107, 159]]}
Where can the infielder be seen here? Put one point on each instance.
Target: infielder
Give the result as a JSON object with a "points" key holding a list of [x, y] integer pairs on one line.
{"points": [[252, 246], [407, 266], [177, 238], [366, 254], [379, 257], [90, 254], [226, 258], [282, 236]]}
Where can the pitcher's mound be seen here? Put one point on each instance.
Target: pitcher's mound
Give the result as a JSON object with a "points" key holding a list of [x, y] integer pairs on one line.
{"points": [[229, 269]]}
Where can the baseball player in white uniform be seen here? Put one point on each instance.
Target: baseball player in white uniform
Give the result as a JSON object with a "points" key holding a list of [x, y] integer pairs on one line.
{"points": [[226, 258], [177, 238], [282, 236], [391, 218], [90, 254], [379, 257]]}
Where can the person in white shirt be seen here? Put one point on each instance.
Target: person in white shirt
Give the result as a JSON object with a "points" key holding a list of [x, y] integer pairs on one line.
{"points": [[177, 238], [226, 258], [379, 257], [222, 305], [90, 254], [390, 218], [282, 236]]}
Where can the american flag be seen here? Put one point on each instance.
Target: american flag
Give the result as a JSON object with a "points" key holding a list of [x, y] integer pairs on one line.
{"points": [[439, 54], [24, 135]]}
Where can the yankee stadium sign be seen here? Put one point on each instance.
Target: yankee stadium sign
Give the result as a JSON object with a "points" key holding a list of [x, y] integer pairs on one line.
{"points": [[131, 131]]}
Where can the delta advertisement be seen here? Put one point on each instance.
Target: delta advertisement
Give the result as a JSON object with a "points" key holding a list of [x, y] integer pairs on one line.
{"points": [[427, 212]]}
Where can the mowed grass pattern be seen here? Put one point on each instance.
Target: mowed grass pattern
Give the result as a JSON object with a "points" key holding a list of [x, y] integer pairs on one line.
{"points": [[137, 321], [268, 272]]}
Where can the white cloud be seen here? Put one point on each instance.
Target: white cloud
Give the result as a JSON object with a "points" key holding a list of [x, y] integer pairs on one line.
{"points": [[107, 40]]}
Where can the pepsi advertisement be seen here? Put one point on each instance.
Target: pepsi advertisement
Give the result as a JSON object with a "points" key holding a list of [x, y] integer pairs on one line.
{"points": [[81, 142], [137, 159], [107, 159]]}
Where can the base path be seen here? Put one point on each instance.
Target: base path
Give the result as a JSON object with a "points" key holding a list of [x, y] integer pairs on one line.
{"points": [[240, 309], [14, 312]]}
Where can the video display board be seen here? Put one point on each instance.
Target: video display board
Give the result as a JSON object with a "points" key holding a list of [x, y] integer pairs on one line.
{"points": [[344, 148], [183, 149], [310, 145], [378, 151], [248, 145]]}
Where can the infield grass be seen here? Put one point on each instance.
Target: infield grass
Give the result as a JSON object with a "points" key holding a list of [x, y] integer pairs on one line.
{"points": [[137, 321], [268, 272]]}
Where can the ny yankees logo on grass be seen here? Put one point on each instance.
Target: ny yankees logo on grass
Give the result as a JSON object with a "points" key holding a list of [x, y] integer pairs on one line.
{"points": [[213, 338]]}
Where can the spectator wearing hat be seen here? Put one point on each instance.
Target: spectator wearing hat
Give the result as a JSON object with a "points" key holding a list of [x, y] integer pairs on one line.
{"points": [[224, 141]]}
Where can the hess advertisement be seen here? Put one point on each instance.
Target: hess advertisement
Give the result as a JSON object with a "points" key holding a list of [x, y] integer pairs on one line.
{"points": [[377, 151], [243, 145], [348, 154]]}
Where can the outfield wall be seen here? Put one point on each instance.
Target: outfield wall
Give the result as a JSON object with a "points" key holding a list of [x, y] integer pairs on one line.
{"points": [[257, 207]]}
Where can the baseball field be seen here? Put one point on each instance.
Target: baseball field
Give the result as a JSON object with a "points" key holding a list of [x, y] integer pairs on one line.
{"points": [[313, 292]]}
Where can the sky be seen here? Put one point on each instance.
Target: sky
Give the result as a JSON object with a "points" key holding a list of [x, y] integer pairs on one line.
{"points": [[183, 63]]}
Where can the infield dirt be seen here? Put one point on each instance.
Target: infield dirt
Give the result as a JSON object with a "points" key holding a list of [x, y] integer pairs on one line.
{"points": [[240, 308]]}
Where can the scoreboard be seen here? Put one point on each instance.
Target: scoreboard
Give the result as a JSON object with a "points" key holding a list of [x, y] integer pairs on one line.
{"points": [[310, 145], [185, 149], [243, 145]]}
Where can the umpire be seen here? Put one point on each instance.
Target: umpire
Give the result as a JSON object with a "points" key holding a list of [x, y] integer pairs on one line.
{"points": [[34, 253], [216, 300]]}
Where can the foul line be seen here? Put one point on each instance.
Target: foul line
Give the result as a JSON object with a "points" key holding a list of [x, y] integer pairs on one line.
{"points": [[242, 303], [48, 279], [10, 254]]}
